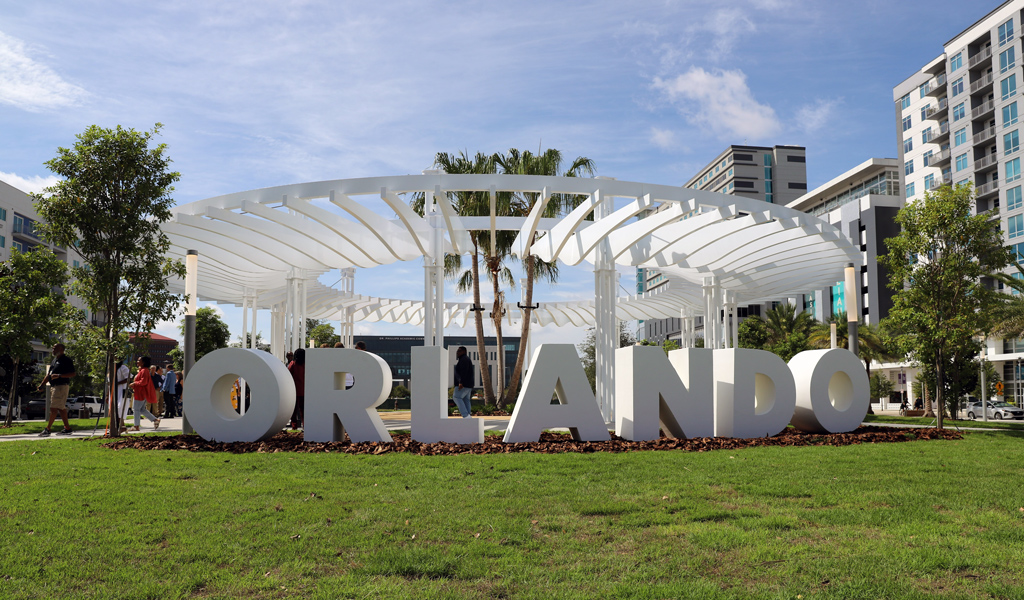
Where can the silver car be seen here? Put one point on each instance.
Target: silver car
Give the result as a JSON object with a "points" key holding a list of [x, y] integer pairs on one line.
{"points": [[996, 410]]}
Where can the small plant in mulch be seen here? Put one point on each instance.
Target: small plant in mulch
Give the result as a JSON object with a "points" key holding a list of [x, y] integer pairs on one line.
{"points": [[550, 443]]}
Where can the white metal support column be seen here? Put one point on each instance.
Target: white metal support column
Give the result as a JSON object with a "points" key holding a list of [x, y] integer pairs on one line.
{"points": [[735, 327], [709, 311], [438, 224], [245, 317], [289, 314], [606, 330], [303, 288], [252, 337]]}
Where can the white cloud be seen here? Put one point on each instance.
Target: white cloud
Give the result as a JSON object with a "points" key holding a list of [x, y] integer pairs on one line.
{"points": [[727, 25], [30, 85], [34, 184], [721, 102], [812, 117], [663, 138]]}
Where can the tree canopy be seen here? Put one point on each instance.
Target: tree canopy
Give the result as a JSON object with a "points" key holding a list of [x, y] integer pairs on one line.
{"points": [[937, 266], [113, 196]]}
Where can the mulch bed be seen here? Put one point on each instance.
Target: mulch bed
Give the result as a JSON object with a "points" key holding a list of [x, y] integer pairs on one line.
{"points": [[550, 443]]}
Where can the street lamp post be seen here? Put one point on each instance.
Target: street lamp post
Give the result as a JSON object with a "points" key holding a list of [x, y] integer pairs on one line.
{"points": [[191, 286]]}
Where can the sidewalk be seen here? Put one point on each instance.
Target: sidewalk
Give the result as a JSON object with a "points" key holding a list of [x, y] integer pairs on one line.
{"points": [[392, 420]]}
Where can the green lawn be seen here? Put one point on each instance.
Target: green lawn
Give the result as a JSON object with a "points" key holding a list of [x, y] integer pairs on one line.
{"points": [[907, 520], [23, 427], [948, 423]]}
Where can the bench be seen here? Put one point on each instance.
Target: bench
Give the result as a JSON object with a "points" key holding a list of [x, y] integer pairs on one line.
{"points": [[914, 413]]}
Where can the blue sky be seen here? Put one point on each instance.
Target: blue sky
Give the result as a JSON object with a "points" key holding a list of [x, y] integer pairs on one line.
{"points": [[254, 94]]}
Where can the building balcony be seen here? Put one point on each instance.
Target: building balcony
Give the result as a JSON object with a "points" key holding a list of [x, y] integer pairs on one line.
{"points": [[986, 189], [982, 84], [935, 112], [938, 182], [939, 159], [936, 86], [985, 162], [936, 135], [984, 135], [986, 109], [983, 56]]}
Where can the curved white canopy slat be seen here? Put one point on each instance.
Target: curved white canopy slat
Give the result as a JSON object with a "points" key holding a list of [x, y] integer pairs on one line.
{"points": [[252, 242]]}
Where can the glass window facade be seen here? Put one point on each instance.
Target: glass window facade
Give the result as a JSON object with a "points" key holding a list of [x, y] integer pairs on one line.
{"points": [[908, 167], [956, 61], [1015, 226], [1008, 87], [1013, 198], [1013, 170], [960, 137], [883, 184], [1007, 59], [959, 111], [1010, 114], [1006, 33], [1011, 142]]}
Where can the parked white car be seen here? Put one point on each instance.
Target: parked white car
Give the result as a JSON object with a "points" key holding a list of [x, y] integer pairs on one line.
{"points": [[996, 410], [92, 404]]}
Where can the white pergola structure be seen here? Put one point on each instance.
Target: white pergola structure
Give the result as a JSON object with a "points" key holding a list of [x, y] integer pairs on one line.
{"points": [[266, 249]]}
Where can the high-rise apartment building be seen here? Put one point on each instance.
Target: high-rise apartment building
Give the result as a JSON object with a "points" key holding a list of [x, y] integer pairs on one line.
{"points": [[957, 121], [17, 230], [862, 203], [776, 174]]}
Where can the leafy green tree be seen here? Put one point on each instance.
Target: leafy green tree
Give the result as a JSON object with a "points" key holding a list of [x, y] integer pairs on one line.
{"points": [[667, 345], [212, 333], [936, 265], [32, 307], [881, 387], [260, 344], [324, 334], [114, 195], [588, 354], [549, 162], [753, 333]]}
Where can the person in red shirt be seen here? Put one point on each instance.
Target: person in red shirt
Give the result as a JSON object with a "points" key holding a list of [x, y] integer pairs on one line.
{"points": [[298, 370], [144, 392]]}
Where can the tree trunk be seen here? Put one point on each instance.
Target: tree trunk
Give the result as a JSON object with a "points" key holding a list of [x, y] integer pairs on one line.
{"points": [[938, 390], [867, 367], [496, 314], [928, 412], [485, 375], [12, 399], [524, 335]]}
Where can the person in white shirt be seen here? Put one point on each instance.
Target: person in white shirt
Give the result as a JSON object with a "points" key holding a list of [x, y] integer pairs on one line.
{"points": [[123, 375]]}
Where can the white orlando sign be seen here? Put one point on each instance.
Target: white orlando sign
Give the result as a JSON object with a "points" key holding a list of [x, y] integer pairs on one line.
{"points": [[690, 393]]}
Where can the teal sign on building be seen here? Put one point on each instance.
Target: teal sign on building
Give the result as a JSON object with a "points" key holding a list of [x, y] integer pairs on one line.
{"points": [[838, 298]]}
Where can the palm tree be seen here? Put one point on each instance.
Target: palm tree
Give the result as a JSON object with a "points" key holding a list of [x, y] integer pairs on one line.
{"points": [[517, 162], [787, 329], [468, 203]]}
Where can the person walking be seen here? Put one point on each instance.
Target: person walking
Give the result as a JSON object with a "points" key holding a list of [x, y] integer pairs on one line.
{"points": [[463, 392], [145, 393], [170, 397], [122, 376], [157, 406], [62, 369], [298, 370]]}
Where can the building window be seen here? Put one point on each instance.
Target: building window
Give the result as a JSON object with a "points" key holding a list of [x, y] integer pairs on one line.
{"points": [[926, 159], [922, 90], [797, 185], [1015, 226], [1013, 198], [16, 245], [3, 214], [910, 190], [1011, 142], [1007, 59], [1010, 114], [3, 242], [929, 181], [908, 145], [924, 112], [1013, 170], [960, 137], [1008, 86], [907, 122], [958, 86], [956, 62], [926, 135], [908, 167], [19, 224], [905, 102], [767, 172], [1006, 33], [961, 162], [1018, 252], [767, 160], [958, 112], [796, 159]]}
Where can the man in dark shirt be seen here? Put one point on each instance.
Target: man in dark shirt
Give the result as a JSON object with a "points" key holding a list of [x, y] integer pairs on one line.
{"points": [[62, 369], [463, 391]]}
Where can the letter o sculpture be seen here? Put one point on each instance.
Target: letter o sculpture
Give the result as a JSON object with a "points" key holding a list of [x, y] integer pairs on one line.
{"points": [[832, 391], [207, 395]]}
